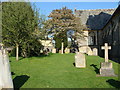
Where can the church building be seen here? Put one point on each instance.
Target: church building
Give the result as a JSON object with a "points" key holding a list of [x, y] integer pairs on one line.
{"points": [[103, 27]]}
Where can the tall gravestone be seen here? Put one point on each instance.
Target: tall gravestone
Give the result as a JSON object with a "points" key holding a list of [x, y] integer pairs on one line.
{"points": [[80, 60], [60, 51], [62, 48], [5, 73], [106, 67]]}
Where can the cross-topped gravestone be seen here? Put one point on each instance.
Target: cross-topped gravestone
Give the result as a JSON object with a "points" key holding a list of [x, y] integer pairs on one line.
{"points": [[106, 48], [106, 67]]}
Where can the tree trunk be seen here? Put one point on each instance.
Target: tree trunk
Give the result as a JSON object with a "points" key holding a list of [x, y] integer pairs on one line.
{"points": [[17, 51]]}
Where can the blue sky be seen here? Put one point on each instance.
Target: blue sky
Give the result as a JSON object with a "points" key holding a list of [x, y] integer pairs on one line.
{"points": [[47, 7]]}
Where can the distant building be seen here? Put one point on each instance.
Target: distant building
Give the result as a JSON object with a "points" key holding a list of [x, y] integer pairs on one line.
{"points": [[48, 44]]}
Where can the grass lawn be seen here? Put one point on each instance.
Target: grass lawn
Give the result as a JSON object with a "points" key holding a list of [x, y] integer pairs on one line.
{"points": [[58, 71]]}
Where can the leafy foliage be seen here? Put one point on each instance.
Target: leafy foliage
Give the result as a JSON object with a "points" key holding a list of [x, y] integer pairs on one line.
{"points": [[19, 23], [63, 20], [59, 40]]}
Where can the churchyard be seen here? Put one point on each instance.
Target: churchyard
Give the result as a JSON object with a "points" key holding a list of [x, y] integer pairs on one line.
{"points": [[64, 51], [59, 71]]}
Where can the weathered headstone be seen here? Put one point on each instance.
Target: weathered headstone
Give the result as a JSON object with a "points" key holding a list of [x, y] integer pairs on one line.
{"points": [[82, 49], [60, 51], [1, 71], [80, 60], [67, 50], [90, 52], [95, 51], [5, 73], [106, 67], [41, 51], [86, 49], [53, 50]]}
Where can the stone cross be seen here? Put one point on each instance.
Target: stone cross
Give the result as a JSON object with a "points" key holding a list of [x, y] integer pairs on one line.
{"points": [[106, 48]]}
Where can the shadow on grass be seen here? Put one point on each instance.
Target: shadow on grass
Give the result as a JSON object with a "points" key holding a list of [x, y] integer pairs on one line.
{"points": [[21, 58], [96, 69], [45, 55], [19, 81], [74, 64], [12, 73], [114, 83], [42, 55]]}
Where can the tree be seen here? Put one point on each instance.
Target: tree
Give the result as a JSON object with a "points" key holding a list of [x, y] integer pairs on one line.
{"points": [[59, 40], [19, 21], [42, 29], [62, 20]]}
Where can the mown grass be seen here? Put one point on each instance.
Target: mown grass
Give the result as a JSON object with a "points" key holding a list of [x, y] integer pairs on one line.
{"points": [[58, 71]]}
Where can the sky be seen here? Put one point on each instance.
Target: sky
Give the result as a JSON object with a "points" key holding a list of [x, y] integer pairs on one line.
{"points": [[47, 7]]}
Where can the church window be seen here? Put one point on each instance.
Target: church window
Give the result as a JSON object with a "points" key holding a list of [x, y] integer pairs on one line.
{"points": [[91, 39]]}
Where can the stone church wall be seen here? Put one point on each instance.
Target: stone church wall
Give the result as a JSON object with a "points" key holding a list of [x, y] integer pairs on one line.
{"points": [[111, 35], [100, 42]]}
